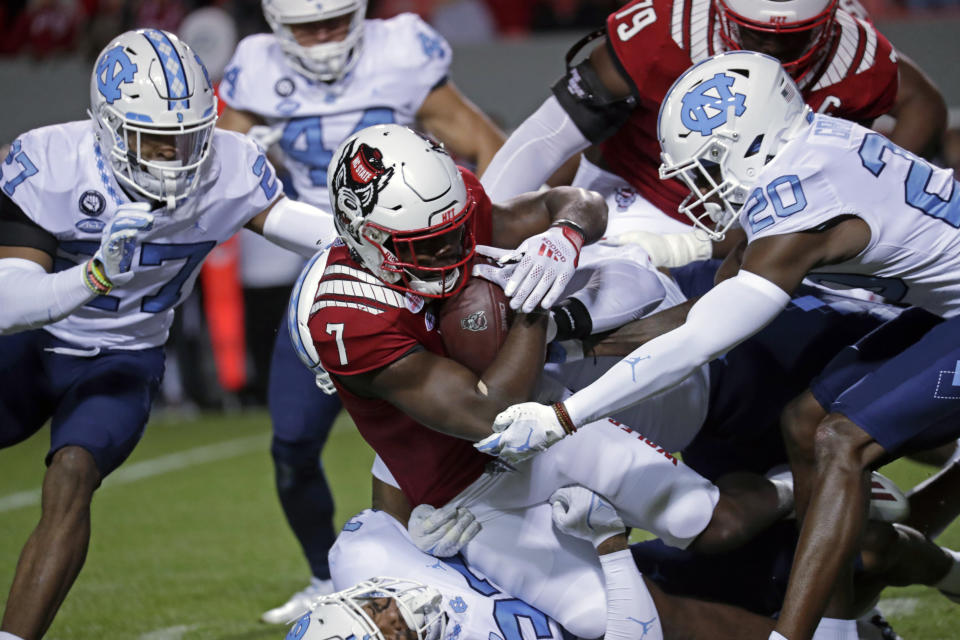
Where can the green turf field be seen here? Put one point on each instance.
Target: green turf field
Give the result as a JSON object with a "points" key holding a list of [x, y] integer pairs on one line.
{"points": [[189, 540]]}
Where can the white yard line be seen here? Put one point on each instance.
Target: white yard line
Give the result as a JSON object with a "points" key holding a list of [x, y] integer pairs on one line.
{"points": [[156, 466], [898, 606], [169, 633]]}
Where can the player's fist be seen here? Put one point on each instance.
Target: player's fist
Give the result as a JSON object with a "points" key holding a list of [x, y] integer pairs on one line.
{"points": [[545, 264], [442, 532], [522, 430], [121, 238], [581, 513]]}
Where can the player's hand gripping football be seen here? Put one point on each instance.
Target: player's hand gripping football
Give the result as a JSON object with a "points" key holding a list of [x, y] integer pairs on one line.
{"points": [[442, 532], [120, 239], [522, 430], [544, 265], [581, 513]]}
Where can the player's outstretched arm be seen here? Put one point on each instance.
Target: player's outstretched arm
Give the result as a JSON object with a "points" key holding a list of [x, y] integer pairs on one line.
{"points": [[919, 109], [631, 611], [295, 225], [589, 104]]}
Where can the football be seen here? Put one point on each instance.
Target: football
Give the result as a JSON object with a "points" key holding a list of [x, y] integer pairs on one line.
{"points": [[474, 324]]}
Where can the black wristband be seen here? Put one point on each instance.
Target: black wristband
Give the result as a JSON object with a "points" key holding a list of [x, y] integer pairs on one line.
{"points": [[573, 320]]}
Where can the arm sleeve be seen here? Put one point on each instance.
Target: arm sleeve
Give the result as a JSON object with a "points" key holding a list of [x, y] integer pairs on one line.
{"points": [[631, 612], [724, 317], [299, 227], [30, 297], [533, 152]]}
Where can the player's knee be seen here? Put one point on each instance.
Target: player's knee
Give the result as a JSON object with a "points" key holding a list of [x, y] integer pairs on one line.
{"points": [[835, 444], [71, 479], [294, 462], [799, 421]]}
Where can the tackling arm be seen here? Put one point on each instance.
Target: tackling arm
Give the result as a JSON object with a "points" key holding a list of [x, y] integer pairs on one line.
{"points": [[294, 225], [589, 103]]}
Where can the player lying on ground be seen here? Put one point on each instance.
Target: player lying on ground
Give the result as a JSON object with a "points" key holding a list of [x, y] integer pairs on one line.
{"points": [[814, 193], [103, 225], [441, 599]]}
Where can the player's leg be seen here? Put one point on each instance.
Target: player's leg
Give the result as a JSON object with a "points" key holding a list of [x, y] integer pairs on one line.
{"points": [[650, 488], [907, 403], [302, 417], [689, 618], [103, 403]]}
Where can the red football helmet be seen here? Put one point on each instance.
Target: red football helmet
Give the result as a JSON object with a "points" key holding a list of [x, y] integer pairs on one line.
{"points": [[796, 32]]}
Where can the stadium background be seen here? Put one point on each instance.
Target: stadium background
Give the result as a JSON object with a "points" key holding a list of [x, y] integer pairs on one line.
{"points": [[189, 540]]}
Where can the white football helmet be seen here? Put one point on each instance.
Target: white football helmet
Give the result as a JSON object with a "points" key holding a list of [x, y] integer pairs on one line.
{"points": [[396, 196], [341, 615], [810, 20], [719, 124], [326, 62], [149, 83]]}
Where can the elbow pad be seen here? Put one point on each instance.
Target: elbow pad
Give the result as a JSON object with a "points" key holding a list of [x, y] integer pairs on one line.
{"points": [[597, 113]]}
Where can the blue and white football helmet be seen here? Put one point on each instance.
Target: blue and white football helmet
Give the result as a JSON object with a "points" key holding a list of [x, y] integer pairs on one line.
{"points": [[326, 62], [341, 615], [149, 83], [719, 124]]}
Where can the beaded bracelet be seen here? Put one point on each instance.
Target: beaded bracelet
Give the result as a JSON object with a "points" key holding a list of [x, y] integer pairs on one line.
{"points": [[563, 417], [95, 279]]}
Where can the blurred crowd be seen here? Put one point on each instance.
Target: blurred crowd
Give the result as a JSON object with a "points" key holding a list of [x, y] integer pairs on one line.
{"points": [[42, 28]]}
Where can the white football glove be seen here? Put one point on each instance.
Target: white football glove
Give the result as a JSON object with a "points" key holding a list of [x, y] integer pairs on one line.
{"points": [[546, 264], [668, 249], [442, 532], [498, 273], [581, 513], [522, 430], [121, 238]]}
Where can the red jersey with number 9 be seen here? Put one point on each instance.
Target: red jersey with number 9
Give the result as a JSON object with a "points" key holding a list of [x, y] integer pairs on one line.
{"points": [[654, 41]]}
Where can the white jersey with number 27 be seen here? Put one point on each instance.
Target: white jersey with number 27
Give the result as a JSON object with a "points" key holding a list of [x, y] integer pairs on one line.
{"points": [[60, 180]]}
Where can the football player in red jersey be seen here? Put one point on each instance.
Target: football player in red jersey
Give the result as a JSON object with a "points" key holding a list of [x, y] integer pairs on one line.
{"points": [[844, 67], [409, 222]]}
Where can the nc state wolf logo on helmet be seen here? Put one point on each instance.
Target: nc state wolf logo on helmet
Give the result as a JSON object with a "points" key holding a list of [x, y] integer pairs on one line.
{"points": [[359, 178]]}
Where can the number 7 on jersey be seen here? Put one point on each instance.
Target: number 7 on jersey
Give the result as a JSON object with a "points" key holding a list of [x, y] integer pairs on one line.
{"points": [[335, 329]]}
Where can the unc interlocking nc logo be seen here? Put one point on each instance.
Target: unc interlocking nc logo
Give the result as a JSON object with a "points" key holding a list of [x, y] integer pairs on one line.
{"points": [[115, 68], [694, 112]]}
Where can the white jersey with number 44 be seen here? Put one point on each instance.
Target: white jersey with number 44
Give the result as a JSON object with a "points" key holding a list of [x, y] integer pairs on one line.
{"points": [[401, 61], [837, 168]]}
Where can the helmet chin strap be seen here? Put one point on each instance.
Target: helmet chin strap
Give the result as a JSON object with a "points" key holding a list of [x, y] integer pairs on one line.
{"points": [[435, 287]]}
